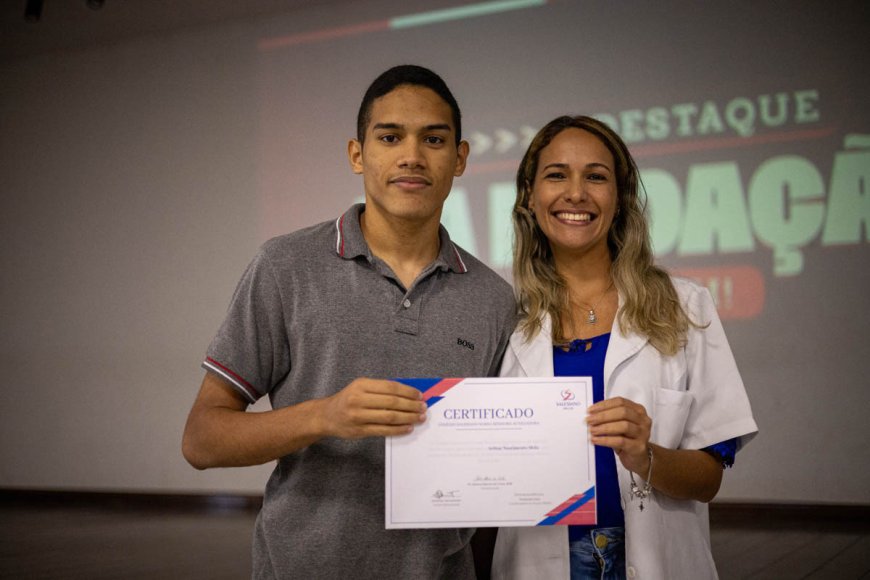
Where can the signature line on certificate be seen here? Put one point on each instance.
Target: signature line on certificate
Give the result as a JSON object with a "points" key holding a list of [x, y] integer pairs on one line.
{"points": [[489, 429]]}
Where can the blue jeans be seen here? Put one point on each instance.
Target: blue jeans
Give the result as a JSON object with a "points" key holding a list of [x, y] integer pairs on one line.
{"points": [[600, 555]]}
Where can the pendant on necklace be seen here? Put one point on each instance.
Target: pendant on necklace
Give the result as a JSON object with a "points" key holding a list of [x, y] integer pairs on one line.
{"points": [[591, 318]]}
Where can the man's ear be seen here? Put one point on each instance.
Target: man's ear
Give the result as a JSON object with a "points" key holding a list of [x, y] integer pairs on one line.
{"points": [[461, 158], [354, 154]]}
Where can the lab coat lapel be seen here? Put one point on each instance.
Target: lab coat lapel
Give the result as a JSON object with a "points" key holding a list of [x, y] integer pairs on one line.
{"points": [[621, 348], [535, 356]]}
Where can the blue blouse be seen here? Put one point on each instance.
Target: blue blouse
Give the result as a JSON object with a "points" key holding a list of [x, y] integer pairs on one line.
{"points": [[585, 358]]}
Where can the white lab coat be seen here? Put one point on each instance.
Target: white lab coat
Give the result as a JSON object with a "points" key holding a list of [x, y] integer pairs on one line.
{"points": [[695, 399]]}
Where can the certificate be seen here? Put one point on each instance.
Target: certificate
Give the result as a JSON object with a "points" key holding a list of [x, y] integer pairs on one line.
{"points": [[494, 452]]}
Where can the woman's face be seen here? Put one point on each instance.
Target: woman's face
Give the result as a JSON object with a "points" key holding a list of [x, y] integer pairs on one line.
{"points": [[574, 196]]}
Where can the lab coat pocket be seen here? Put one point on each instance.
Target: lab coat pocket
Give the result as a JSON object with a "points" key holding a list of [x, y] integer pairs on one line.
{"points": [[669, 421]]}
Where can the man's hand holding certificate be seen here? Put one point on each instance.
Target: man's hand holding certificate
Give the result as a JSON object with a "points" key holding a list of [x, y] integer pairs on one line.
{"points": [[494, 452]]}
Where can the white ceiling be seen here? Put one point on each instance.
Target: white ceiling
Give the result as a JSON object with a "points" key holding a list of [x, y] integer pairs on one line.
{"points": [[72, 24]]}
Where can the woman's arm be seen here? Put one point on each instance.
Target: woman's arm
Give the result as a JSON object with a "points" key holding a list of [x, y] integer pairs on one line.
{"points": [[625, 427]]}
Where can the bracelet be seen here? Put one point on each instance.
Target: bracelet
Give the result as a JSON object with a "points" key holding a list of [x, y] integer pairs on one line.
{"points": [[646, 490]]}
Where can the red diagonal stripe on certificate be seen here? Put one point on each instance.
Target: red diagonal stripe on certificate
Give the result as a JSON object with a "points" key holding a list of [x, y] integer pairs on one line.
{"points": [[565, 504], [582, 516], [440, 388], [577, 510]]}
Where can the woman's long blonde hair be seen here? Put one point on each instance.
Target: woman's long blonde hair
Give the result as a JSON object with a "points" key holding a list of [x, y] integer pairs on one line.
{"points": [[650, 303]]}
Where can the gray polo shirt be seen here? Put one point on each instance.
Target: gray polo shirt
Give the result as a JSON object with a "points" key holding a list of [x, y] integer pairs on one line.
{"points": [[313, 311]]}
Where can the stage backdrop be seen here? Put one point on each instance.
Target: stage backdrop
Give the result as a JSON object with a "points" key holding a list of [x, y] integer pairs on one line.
{"points": [[138, 180]]}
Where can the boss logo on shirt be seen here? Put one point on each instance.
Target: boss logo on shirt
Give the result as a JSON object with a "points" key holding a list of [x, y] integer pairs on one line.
{"points": [[466, 343]]}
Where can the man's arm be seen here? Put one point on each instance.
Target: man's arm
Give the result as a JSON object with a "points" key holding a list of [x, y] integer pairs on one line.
{"points": [[220, 433]]}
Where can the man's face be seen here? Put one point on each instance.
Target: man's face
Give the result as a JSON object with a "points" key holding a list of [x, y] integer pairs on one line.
{"points": [[410, 155]]}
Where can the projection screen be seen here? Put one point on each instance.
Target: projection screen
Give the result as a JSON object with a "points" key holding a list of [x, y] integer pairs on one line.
{"points": [[749, 122]]}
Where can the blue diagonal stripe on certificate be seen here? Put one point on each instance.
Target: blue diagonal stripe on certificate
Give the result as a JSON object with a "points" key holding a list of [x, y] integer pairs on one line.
{"points": [[421, 385], [571, 507], [431, 401], [433, 389]]}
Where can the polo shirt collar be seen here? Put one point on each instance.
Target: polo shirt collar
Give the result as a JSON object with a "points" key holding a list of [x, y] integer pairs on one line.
{"points": [[350, 243]]}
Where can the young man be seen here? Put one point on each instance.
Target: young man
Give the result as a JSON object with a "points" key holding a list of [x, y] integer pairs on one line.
{"points": [[323, 318]]}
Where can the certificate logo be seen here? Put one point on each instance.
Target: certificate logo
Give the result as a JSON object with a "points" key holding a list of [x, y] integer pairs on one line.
{"points": [[446, 499], [568, 403]]}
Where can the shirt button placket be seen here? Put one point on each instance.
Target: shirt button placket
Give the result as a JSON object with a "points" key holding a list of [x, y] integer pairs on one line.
{"points": [[406, 320]]}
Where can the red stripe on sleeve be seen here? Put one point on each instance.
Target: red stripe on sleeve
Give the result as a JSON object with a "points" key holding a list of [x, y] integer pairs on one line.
{"points": [[248, 387]]}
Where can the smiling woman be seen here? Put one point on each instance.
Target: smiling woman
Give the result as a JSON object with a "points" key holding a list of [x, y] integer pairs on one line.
{"points": [[574, 196], [670, 407]]}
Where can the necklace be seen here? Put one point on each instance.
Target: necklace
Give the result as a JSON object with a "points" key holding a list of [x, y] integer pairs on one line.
{"points": [[591, 318]]}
